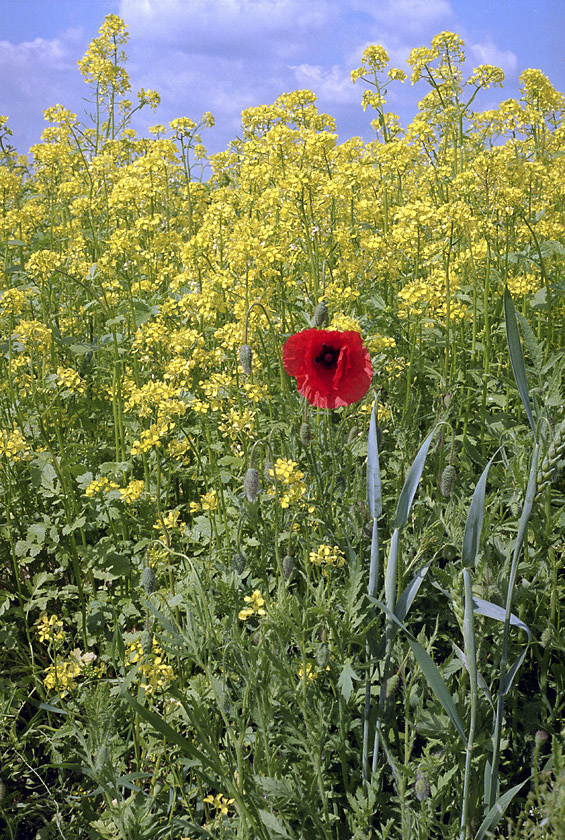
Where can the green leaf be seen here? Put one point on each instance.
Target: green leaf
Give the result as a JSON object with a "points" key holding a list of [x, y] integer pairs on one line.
{"points": [[274, 825], [373, 470], [171, 735], [474, 523], [517, 356], [431, 673], [498, 810], [345, 681], [410, 485]]}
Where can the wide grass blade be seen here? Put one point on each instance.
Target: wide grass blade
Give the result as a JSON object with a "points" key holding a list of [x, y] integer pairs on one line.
{"points": [[430, 672], [410, 485], [474, 523], [517, 355], [374, 493], [497, 810]]}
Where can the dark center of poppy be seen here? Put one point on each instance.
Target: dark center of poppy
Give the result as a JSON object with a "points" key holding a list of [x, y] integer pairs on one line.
{"points": [[328, 357]]}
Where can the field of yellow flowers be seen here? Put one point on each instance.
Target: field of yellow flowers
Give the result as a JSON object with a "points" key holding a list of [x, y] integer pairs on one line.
{"points": [[282, 442]]}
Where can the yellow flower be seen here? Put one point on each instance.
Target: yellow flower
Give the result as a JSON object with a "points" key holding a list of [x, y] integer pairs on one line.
{"points": [[256, 606], [219, 802]]}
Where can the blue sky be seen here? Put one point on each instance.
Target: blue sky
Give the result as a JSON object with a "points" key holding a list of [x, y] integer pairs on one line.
{"points": [[226, 55]]}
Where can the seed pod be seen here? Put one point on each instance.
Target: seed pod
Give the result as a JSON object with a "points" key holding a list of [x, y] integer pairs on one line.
{"points": [[305, 434], [146, 640], [320, 314], [287, 566], [2, 790], [246, 359], [148, 580], [421, 787], [239, 561], [322, 655], [251, 484], [448, 480]]}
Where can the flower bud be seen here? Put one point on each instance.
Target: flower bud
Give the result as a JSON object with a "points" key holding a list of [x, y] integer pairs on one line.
{"points": [[448, 480], [320, 314], [322, 655], [239, 561], [287, 566], [546, 637], [251, 484], [146, 640], [541, 736], [148, 580], [392, 685], [246, 359], [421, 787], [305, 434]]}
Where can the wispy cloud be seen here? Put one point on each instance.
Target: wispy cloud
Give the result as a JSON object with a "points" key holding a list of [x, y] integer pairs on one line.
{"points": [[489, 53]]}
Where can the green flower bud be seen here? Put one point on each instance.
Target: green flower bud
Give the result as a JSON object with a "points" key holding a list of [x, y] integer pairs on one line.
{"points": [[239, 562], [320, 314], [148, 580], [448, 480], [322, 655], [146, 640], [305, 434], [421, 787], [246, 359], [251, 484], [287, 566]]}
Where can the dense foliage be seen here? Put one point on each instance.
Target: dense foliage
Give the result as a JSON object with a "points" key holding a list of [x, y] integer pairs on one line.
{"points": [[190, 642]]}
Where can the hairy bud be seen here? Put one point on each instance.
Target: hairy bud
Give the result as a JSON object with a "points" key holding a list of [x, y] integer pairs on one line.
{"points": [[287, 566], [148, 580], [251, 484], [448, 480], [246, 359], [320, 314]]}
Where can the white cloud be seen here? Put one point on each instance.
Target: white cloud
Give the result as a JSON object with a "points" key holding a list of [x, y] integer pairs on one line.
{"points": [[267, 28], [411, 17], [35, 75], [333, 84], [488, 53]]}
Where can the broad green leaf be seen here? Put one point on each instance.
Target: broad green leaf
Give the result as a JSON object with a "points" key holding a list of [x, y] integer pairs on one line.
{"points": [[497, 810], [517, 356], [373, 470], [410, 485], [171, 735], [431, 673], [474, 523]]}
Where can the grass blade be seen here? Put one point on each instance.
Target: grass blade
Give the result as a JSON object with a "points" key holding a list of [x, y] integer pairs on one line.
{"points": [[517, 355], [410, 485], [474, 523]]}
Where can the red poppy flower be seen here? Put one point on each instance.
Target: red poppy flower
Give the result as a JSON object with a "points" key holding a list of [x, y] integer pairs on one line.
{"points": [[332, 368]]}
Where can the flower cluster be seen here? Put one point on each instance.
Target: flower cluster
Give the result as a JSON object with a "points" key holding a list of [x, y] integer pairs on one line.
{"points": [[256, 606], [327, 556]]}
